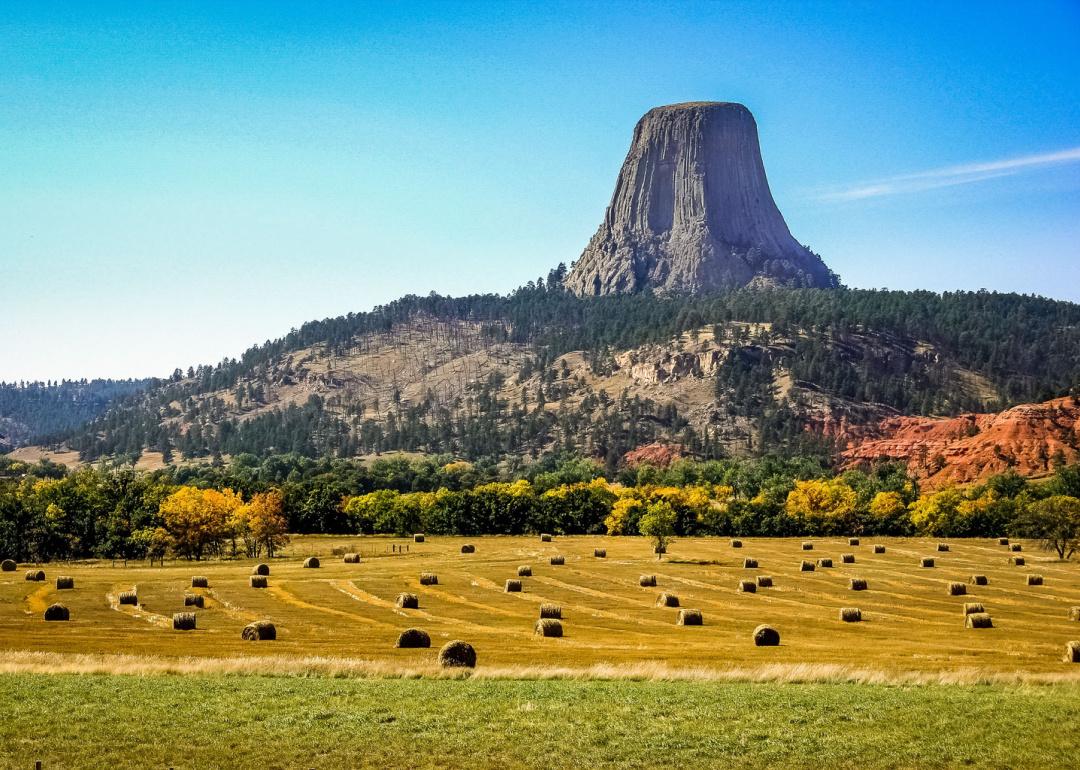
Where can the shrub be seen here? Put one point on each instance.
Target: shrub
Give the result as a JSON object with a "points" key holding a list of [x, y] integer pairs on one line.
{"points": [[548, 627], [183, 621], [259, 631], [851, 614], [412, 638], [766, 636], [57, 612], [689, 618], [408, 601], [457, 654]]}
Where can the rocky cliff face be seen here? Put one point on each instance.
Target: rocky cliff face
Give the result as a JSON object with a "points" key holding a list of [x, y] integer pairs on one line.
{"points": [[692, 212], [1030, 438]]}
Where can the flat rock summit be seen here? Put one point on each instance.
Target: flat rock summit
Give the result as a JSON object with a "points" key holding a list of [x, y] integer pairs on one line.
{"points": [[692, 212]]}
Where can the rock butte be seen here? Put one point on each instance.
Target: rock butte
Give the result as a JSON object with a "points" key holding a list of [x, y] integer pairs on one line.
{"points": [[692, 212]]}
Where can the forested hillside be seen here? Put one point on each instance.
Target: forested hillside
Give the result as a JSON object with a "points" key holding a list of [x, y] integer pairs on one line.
{"points": [[30, 411], [541, 370]]}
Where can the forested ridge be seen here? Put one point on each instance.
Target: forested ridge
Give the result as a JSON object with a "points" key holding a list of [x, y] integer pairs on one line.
{"points": [[34, 410], [898, 349]]}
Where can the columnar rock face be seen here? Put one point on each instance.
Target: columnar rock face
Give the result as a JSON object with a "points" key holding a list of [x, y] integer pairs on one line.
{"points": [[692, 212]]}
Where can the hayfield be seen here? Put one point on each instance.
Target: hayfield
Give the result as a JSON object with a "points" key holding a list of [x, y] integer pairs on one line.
{"points": [[345, 612]]}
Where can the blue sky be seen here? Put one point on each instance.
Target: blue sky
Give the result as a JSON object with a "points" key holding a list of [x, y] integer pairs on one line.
{"points": [[179, 181]]}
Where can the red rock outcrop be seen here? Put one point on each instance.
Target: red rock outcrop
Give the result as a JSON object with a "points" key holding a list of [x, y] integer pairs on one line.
{"points": [[658, 455], [1029, 438]]}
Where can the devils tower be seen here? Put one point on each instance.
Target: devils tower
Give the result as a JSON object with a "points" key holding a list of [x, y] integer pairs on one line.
{"points": [[692, 212]]}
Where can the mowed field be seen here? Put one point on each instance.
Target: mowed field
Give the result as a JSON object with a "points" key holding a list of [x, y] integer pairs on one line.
{"points": [[347, 611]]}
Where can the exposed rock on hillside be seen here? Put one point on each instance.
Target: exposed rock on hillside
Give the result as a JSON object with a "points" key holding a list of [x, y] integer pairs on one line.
{"points": [[692, 211], [1031, 439]]}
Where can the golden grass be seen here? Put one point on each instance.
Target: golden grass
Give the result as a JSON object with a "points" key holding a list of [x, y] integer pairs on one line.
{"points": [[911, 630]]}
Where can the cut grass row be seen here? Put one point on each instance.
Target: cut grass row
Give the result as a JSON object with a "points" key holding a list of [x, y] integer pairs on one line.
{"points": [[264, 721]]}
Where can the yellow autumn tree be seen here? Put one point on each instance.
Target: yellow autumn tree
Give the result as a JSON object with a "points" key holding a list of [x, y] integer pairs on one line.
{"points": [[199, 520], [829, 503], [263, 521]]}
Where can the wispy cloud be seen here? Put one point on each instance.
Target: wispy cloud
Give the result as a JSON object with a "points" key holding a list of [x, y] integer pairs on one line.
{"points": [[949, 176]]}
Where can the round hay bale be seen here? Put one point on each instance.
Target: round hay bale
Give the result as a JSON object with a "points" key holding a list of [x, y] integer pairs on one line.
{"points": [[1074, 613], [978, 580], [468, 548], [1016, 561], [978, 620], [200, 581], [545, 538], [970, 608], [524, 571], [824, 562], [808, 546], [879, 549], [129, 597], [513, 586], [1034, 580], [957, 588], [183, 621], [847, 558], [551, 611], [806, 566], [1016, 548], [261, 569], [853, 541], [647, 581], [457, 654], [351, 558], [1003, 541], [194, 600], [65, 583], [749, 563], [429, 579], [943, 547], [747, 587], [558, 560], [548, 627], [57, 612], [599, 553], [736, 543], [413, 638], [926, 561], [418, 537], [259, 631], [851, 614], [764, 581], [667, 600], [312, 562], [257, 581], [766, 636], [689, 618], [857, 584], [7, 565], [1072, 652], [36, 575], [408, 601]]}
